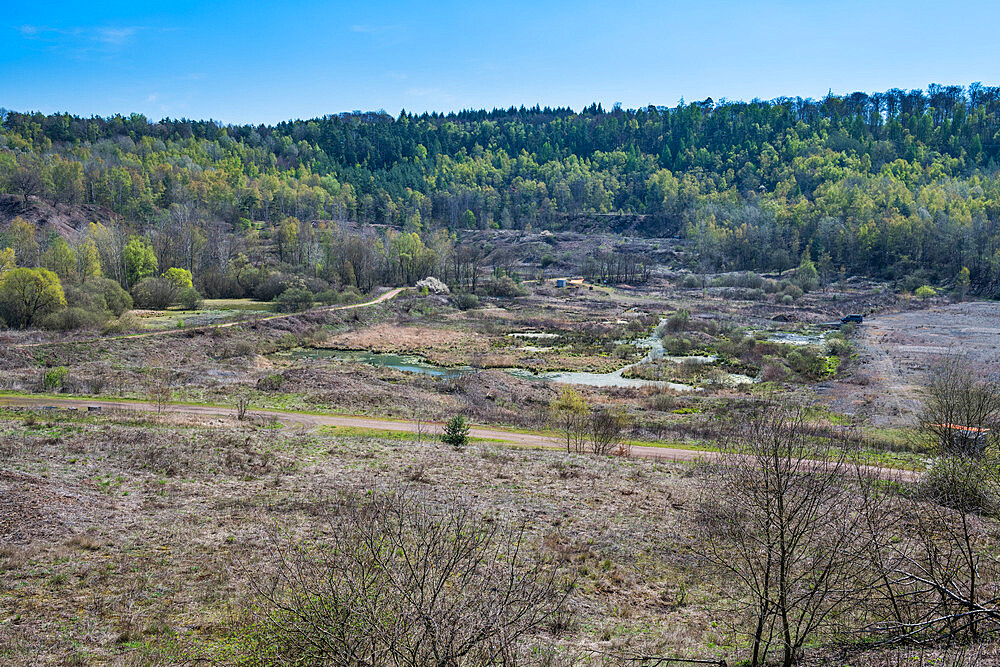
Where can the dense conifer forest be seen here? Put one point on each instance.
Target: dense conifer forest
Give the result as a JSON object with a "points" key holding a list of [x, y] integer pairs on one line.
{"points": [[901, 185]]}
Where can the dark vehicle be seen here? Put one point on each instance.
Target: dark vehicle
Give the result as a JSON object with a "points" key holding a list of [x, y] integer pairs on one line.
{"points": [[851, 318]]}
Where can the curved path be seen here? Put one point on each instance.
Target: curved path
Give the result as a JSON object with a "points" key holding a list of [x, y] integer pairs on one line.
{"points": [[224, 325], [502, 436]]}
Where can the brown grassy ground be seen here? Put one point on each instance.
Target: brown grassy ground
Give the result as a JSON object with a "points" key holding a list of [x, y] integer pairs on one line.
{"points": [[118, 538]]}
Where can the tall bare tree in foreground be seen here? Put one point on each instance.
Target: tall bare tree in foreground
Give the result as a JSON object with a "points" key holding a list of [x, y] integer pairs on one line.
{"points": [[790, 520], [400, 582]]}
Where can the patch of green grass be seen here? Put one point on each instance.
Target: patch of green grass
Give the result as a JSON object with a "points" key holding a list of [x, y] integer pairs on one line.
{"points": [[385, 434], [237, 304]]}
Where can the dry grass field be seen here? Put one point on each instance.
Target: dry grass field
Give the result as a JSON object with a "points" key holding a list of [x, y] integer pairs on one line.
{"points": [[128, 538]]}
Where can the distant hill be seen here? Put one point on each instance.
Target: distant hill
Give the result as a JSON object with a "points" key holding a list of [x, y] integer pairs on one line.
{"points": [[901, 184]]}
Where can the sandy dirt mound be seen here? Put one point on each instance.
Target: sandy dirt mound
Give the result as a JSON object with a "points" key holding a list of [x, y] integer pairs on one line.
{"points": [[69, 221], [897, 350]]}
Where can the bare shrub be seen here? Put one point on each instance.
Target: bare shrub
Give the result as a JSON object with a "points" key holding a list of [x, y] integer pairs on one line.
{"points": [[942, 573], [242, 406], [790, 520], [128, 321], [961, 408], [160, 388], [417, 472], [229, 349], [400, 582], [607, 429]]}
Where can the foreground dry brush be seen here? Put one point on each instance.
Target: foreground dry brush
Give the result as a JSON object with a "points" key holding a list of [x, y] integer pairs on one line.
{"points": [[795, 536], [785, 550], [397, 581]]}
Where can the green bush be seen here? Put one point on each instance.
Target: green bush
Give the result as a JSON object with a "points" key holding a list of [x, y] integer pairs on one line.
{"points": [[71, 318], [676, 345], [155, 293], [89, 305], [456, 432], [787, 300], [925, 292], [808, 362], [837, 345], [271, 285], [806, 276], [465, 301], [181, 278], [28, 295], [99, 295], [190, 299], [915, 280], [793, 291], [328, 297], [690, 281], [962, 482], [271, 382], [503, 287], [744, 279], [679, 321], [54, 378], [294, 299]]}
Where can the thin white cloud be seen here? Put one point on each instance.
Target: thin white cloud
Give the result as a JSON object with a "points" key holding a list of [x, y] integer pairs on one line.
{"points": [[372, 29], [80, 39], [383, 35], [114, 35]]}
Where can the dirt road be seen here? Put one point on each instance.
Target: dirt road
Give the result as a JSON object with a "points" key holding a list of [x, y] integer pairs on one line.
{"points": [[305, 419], [235, 323], [502, 436]]}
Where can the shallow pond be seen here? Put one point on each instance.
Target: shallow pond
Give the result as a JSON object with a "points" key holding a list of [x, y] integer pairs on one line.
{"points": [[401, 362], [416, 364], [614, 379], [790, 338], [534, 334]]}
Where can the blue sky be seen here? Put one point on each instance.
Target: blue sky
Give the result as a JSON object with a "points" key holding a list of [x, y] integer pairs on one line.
{"points": [[258, 62]]}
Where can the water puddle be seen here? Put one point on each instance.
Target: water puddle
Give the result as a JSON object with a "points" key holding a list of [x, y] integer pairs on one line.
{"points": [[797, 338], [534, 334], [416, 364], [400, 362], [614, 379]]}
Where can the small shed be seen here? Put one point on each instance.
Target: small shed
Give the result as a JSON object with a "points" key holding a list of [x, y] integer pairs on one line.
{"points": [[560, 282], [966, 438]]}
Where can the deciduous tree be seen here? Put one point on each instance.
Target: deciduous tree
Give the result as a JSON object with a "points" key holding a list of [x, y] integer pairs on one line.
{"points": [[28, 294]]}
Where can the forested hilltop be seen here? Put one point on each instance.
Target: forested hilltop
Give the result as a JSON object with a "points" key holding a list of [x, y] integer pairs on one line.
{"points": [[896, 184]]}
